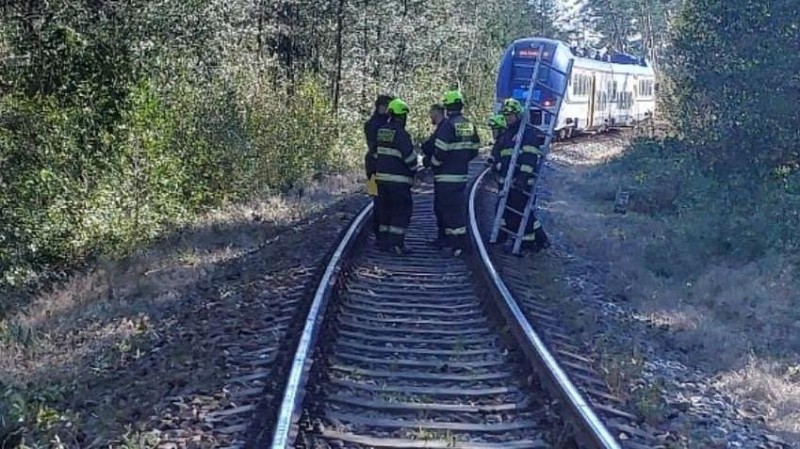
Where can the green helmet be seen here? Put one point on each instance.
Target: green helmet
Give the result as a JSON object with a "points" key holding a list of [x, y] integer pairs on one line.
{"points": [[452, 97], [398, 107], [511, 106], [497, 121]]}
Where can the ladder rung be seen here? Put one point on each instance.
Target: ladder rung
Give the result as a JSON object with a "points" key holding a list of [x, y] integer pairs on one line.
{"points": [[508, 231], [515, 211], [544, 129], [542, 63], [539, 106], [525, 192], [551, 89]]}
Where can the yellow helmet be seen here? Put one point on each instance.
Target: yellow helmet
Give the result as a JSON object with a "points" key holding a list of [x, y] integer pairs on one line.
{"points": [[511, 106], [497, 121], [452, 97], [398, 107]]}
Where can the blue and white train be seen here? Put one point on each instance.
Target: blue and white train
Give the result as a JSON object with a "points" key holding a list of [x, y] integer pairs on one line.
{"points": [[602, 93]]}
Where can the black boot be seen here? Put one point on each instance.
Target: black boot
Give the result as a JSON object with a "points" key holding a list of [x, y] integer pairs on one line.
{"points": [[400, 250], [541, 242], [437, 243]]}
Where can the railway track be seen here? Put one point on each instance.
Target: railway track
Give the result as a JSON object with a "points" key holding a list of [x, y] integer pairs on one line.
{"points": [[424, 350]]}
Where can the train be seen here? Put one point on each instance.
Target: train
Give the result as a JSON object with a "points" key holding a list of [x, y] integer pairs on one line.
{"points": [[612, 91]]}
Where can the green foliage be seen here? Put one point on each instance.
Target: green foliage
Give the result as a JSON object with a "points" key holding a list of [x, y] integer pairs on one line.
{"points": [[633, 26], [731, 219], [28, 418], [727, 182], [120, 121], [736, 99]]}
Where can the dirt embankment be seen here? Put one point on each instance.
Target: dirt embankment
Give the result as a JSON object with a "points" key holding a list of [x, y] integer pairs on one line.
{"points": [[706, 348], [168, 348]]}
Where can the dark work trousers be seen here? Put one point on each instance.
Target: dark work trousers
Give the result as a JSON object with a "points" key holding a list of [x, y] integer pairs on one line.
{"points": [[375, 219], [534, 236], [450, 196], [437, 211], [395, 213]]}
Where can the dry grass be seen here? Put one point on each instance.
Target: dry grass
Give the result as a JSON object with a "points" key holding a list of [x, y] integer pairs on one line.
{"points": [[93, 320], [737, 321]]}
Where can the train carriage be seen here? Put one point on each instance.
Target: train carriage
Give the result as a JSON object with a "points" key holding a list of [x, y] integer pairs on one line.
{"points": [[601, 93]]}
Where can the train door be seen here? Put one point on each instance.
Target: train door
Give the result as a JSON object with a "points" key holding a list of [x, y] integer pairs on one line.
{"points": [[592, 85]]}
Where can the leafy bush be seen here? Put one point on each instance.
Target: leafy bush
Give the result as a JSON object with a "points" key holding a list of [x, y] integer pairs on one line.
{"points": [[730, 218]]}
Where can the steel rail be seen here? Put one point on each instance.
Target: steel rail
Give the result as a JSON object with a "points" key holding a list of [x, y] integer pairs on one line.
{"points": [[298, 376], [544, 362]]}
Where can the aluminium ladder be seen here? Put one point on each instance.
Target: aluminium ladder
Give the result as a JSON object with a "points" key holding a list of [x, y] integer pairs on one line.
{"points": [[535, 88]]}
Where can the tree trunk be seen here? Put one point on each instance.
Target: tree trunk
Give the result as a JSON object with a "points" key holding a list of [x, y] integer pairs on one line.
{"points": [[338, 77]]}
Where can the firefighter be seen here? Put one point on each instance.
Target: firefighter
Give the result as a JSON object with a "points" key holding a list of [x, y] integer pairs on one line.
{"points": [[497, 123], [437, 114], [379, 118], [524, 175], [394, 173], [456, 142]]}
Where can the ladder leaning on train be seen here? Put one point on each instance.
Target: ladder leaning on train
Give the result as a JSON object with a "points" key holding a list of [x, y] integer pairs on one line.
{"points": [[544, 97]]}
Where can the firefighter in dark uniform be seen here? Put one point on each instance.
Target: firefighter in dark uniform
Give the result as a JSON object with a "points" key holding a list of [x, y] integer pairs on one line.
{"points": [[437, 114], [497, 123], [456, 142], [524, 175], [379, 118], [394, 173]]}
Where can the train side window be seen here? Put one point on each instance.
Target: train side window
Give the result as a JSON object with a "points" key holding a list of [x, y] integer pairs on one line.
{"points": [[628, 99], [646, 88], [580, 86]]}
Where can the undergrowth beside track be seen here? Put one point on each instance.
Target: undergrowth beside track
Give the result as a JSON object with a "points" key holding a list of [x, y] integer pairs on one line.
{"points": [[710, 259]]}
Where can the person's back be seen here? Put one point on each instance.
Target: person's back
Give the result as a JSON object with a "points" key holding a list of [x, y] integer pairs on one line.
{"points": [[456, 142], [464, 146], [395, 163], [395, 154]]}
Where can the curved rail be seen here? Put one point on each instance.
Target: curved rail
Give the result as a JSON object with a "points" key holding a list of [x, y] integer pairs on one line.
{"points": [[545, 363], [560, 386], [292, 395]]}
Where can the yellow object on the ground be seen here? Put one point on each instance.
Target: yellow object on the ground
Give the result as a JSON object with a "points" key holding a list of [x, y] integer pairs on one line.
{"points": [[372, 186]]}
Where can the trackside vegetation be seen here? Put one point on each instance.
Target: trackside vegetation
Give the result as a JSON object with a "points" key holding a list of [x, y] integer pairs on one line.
{"points": [[121, 121], [728, 168], [125, 122]]}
